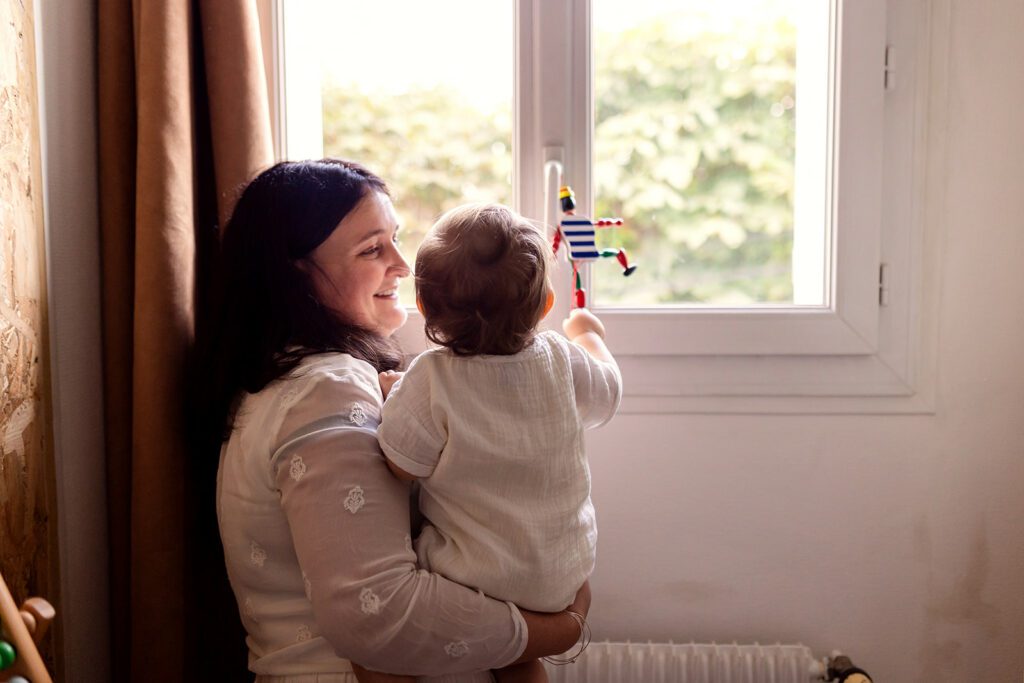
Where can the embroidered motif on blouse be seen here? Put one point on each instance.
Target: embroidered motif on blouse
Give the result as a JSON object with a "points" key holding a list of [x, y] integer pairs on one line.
{"points": [[298, 467], [249, 609], [357, 415], [288, 397], [355, 500], [257, 555], [370, 603]]}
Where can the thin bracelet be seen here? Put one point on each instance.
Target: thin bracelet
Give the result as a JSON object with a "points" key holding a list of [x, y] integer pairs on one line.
{"points": [[584, 640]]}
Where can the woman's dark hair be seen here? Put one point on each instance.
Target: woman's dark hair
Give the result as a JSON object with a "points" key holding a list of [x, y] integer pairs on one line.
{"points": [[481, 280], [267, 316]]}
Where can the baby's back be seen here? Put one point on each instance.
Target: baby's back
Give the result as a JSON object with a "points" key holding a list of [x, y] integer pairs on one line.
{"points": [[508, 500]]}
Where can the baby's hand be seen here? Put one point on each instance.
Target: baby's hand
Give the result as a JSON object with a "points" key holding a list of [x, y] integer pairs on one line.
{"points": [[581, 321], [387, 380]]}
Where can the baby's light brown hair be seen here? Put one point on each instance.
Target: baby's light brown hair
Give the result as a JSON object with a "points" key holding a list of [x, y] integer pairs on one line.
{"points": [[481, 280]]}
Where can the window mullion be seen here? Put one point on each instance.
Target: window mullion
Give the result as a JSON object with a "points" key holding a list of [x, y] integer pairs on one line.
{"points": [[553, 110]]}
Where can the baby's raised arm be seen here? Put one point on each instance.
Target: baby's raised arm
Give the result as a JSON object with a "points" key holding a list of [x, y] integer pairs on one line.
{"points": [[587, 330], [596, 380]]}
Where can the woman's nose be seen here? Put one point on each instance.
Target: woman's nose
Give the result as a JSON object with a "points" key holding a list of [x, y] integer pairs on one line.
{"points": [[399, 263]]}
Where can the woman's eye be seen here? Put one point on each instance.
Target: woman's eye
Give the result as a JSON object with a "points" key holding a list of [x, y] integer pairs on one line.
{"points": [[371, 251]]}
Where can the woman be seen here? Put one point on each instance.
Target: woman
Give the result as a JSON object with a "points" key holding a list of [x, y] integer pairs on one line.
{"points": [[316, 531]]}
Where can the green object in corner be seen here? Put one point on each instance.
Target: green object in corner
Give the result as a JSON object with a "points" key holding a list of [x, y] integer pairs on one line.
{"points": [[6, 654]]}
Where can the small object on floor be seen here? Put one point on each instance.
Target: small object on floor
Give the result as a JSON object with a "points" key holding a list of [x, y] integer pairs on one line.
{"points": [[842, 670]]}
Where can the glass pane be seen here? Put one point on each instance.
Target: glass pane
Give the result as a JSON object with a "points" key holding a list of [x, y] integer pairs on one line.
{"points": [[426, 104], [696, 145]]}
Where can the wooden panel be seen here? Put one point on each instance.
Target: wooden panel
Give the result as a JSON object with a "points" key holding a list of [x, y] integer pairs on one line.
{"points": [[26, 453]]}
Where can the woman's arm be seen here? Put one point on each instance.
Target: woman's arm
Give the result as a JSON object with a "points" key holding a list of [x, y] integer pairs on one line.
{"points": [[349, 519]]}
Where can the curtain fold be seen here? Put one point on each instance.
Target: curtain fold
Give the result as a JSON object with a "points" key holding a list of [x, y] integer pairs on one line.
{"points": [[183, 123]]}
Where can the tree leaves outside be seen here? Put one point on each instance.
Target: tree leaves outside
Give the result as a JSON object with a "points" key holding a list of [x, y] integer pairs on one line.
{"points": [[694, 148]]}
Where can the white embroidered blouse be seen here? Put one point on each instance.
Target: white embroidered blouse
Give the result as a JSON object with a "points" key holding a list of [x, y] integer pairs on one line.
{"points": [[316, 539]]}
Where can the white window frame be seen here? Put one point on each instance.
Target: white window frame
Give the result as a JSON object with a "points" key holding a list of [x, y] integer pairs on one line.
{"points": [[870, 349]]}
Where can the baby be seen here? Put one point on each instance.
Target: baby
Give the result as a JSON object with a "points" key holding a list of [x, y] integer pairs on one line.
{"points": [[492, 422]]}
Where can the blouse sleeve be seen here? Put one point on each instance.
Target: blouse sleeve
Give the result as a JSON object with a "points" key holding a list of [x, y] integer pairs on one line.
{"points": [[349, 520], [598, 386]]}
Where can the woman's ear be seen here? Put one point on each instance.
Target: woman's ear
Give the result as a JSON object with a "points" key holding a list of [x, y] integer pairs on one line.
{"points": [[549, 303], [419, 307]]}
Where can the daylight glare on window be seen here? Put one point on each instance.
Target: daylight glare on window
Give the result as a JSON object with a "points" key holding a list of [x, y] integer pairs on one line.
{"points": [[695, 147], [420, 92]]}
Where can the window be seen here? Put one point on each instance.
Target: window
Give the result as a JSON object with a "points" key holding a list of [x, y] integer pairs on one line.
{"points": [[696, 142], [436, 127], [772, 276]]}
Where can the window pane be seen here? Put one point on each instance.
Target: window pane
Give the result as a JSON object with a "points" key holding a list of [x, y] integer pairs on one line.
{"points": [[417, 98], [695, 147]]}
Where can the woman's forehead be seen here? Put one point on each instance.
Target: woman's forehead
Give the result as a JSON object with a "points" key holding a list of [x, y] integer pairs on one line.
{"points": [[373, 214]]}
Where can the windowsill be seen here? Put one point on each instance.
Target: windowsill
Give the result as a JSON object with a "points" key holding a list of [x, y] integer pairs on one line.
{"points": [[891, 380]]}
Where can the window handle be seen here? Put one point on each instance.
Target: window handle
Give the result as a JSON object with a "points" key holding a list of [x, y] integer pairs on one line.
{"points": [[552, 181]]}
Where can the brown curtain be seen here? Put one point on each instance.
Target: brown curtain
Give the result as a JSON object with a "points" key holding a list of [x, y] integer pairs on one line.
{"points": [[184, 123]]}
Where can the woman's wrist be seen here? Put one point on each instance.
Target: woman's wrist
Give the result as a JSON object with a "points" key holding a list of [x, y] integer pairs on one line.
{"points": [[548, 633], [572, 653], [575, 629]]}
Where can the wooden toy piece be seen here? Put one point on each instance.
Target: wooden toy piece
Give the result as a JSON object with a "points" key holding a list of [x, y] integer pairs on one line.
{"points": [[579, 234], [567, 198], [37, 614], [579, 295], [27, 662]]}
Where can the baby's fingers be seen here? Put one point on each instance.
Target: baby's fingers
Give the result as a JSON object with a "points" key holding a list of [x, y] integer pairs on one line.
{"points": [[387, 380]]}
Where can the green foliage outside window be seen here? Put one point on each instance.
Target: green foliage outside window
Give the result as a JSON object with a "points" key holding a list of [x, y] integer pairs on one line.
{"points": [[694, 147]]}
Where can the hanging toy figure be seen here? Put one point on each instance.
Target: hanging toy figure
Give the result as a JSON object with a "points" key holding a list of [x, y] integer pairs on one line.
{"points": [[579, 233]]}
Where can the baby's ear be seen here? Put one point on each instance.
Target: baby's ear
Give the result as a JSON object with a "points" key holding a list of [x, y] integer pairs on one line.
{"points": [[549, 303]]}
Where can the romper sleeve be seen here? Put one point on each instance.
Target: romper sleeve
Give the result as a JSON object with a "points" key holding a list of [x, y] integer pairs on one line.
{"points": [[412, 432], [349, 521], [597, 384]]}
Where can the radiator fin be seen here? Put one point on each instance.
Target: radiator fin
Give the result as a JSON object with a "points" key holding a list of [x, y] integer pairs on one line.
{"points": [[608, 662]]}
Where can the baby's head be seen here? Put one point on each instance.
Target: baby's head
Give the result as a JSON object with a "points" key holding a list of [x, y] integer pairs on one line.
{"points": [[481, 280]]}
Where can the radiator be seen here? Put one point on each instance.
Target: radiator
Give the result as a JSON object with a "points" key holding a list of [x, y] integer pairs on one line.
{"points": [[606, 662]]}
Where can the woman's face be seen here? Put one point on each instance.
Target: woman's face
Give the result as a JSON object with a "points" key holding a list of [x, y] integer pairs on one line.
{"points": [[358, 267]]}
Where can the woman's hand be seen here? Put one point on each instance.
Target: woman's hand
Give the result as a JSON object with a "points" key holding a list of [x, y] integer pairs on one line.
{"points": [[552, 633], [581, 605]]}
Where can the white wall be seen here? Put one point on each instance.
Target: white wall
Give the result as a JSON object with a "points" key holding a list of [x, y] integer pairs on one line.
{"points": [[66, 55], [899, 539]]}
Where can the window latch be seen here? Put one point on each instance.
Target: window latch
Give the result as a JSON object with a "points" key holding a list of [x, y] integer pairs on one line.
{"points": [[883, 284]]}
